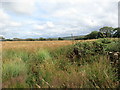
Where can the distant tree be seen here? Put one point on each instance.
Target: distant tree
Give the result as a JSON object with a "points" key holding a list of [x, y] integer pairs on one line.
{"points": [[16, 39], [2, 38], [29, 39], [93, 35], [60, 38], [116, 32], [49, 39], [42, 39], [81, 38], [8, 40], [107, 31]]}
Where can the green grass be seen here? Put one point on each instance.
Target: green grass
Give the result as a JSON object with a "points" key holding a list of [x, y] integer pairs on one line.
{"points": [[13, 68], [61, 68]]}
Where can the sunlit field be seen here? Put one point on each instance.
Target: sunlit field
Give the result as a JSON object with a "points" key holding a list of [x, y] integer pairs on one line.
{"points": [[59, 64], [37, 44], [59, 44]]}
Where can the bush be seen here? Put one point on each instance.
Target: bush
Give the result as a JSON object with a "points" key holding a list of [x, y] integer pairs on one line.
{"points": [[105, 41], [81, 50], [113, 47]]}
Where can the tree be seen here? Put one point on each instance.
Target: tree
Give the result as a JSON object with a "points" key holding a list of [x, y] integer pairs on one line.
{"points": [[2, 38], [60, 38], [17, 39], [116, 32], [93, 35], [42, 39], [107, 31], [29, 39], [100, 35], [8, 40]]}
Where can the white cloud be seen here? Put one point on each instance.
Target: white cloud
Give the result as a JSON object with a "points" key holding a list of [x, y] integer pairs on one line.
{"points": [[15, 24], [7, 24], [5, 20], [65, 13], [50, 24], [46, 25], [3, 15], [39, 27], [19, 6], [2, 25], [58, 17]]}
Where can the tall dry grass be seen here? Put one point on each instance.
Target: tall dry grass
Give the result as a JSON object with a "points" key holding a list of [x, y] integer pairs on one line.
{"points": [[45, 64]]}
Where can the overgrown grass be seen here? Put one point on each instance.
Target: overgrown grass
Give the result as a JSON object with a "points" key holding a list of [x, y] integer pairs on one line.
{"points": [[81, 65], [14, 73]]}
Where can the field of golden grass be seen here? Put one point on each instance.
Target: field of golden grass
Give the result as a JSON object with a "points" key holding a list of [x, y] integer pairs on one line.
{"points": [[33, 45], [48, 64]]}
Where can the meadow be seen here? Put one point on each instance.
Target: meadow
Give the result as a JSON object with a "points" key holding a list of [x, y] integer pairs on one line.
{"points": [[59, 64]]}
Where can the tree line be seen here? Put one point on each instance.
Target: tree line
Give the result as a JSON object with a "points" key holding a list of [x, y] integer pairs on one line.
{"points": [[104, 32], [31, 39]]}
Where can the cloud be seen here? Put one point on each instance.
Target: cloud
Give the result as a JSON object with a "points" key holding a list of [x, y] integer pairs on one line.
{"points": [[15, 24], [34, 18], [8, 27], [5, 20], [50, 24], [46, 25], [3, 15], [19, 6], [39, 27]]}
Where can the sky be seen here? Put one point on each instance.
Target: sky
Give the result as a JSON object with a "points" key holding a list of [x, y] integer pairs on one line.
{"points": [[55, 18]]}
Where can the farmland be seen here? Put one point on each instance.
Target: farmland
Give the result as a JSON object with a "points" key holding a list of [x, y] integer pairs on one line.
{"points": [[59, 64]]}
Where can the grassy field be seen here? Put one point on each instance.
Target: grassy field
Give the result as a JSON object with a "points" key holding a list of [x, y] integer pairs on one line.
{"points": [[58, 64]]}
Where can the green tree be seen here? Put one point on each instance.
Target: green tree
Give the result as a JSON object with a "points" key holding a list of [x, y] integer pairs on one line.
{"points": [[93, 35], [42, 39], [29, 39], [16, 39], [116, 32], [60, 38], [107, 31], [100, 35]]}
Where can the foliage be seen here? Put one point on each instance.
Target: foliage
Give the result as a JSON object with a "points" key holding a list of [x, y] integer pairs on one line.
{"points": [[14, 69], [60, 38], [93, 35], [81, 65], [81, 50], [117, 32], [41, 39], [113, 47], [81, 38], [107, 31], [105, 41]]}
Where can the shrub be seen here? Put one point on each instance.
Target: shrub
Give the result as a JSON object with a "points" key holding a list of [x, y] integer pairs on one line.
{"points": [[113, 47], [81, 50], [105, 41]]}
